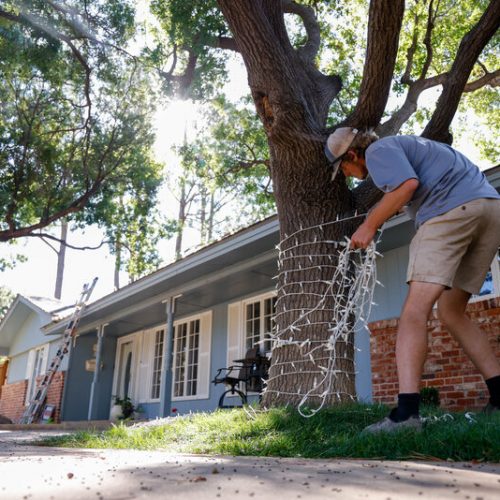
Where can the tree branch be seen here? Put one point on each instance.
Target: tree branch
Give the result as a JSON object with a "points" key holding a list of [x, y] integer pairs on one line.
{"points": [[32, 20], [399, 118], [184, 80], [226, 43], [384, 25], [308, 16], [491, 79], [76, 206], [44, 236], [410, 53], [431, 18], [243, 165], [468, 52]]}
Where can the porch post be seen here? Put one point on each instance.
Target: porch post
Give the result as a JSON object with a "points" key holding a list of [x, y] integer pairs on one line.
{"points": [[95, 381], [166, 374]]}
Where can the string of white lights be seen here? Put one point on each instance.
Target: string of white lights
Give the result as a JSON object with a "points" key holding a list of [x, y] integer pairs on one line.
{"points": [[321, 226], [339, 302]]}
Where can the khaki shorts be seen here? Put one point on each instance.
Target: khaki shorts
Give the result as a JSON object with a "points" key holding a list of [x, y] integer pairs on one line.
{"points": [[456, 249]]}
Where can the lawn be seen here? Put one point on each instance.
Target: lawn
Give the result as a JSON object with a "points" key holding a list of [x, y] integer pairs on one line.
{"points": [[282, 432]]}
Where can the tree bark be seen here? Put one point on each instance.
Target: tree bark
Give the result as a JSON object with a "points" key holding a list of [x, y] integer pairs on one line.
{"points": [[61, 258], [203, 215], [211, 215], [118, 262], [181, 220]]}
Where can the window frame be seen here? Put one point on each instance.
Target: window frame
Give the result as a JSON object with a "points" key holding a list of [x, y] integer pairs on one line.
{"points": [[495, 274], [244, 319], [177, 323], [155, 345]]}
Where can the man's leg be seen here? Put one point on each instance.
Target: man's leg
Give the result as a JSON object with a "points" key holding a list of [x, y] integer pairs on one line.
{"points": [[451, 310], [411, 351], [411, 346]]}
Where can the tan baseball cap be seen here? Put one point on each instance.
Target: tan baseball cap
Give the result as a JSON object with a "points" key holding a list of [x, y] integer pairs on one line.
{"points": [[337, 145]]}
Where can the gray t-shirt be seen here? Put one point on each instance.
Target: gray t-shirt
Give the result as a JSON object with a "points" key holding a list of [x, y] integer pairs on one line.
{"points": [[447, 178]]}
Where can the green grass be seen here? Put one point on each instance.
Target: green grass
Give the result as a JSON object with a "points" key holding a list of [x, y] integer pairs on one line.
{"points": [[334, 432]]}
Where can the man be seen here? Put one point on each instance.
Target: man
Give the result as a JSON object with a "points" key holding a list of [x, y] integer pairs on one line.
{"points": [[457, 215]]}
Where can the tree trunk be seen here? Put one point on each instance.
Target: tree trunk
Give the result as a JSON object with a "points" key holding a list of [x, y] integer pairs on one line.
{"points": [[306, 265], [211, 214], [292, 99], [61, 257], [203, 215], [181, 220], [118, 262]]}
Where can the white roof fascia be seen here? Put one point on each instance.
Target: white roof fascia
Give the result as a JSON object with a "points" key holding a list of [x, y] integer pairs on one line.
{"points": [[24, 300], [10, 311]]}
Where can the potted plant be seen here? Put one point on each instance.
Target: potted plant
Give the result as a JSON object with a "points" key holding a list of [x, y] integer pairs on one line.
{"points": [[122, 409], [116, 409]]}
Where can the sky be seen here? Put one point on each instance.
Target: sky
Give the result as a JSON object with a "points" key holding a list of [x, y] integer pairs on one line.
{"points": [[36, 277]]}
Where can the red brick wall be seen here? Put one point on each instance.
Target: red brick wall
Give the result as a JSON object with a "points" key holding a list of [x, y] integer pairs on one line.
{"points": [[55, 392], [13, 396], [12, 400], [447, 367]]}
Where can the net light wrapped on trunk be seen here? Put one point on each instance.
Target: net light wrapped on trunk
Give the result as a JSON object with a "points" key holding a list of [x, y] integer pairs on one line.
{"points": [[345, 300]]}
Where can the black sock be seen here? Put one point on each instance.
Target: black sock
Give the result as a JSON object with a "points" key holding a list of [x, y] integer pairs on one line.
{"points": [[493, 384], [407, 407]]}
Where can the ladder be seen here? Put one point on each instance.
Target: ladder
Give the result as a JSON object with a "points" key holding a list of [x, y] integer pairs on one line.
{"points": [[34, 409]]}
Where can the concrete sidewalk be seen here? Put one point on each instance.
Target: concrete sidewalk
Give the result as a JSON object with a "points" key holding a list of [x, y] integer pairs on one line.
{"points": [[30, 472]]}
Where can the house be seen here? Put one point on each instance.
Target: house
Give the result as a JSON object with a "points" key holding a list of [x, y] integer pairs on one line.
{"points": [[214, 304], [25, 352]]}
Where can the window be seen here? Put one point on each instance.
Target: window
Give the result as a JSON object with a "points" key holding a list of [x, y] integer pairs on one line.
{"points": [[259, 323], [491, 285], [186, 354], [37, 365], [159, 337]]}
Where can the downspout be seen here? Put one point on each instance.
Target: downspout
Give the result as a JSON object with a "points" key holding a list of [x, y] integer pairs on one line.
{"points": [[166, 374], [95, 381]]}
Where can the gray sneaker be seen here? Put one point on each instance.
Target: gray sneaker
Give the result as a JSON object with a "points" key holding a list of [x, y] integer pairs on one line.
{"points": [[388, 425]]}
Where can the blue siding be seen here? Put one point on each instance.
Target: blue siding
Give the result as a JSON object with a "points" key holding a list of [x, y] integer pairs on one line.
{"points": [[78, 380], [363, 365], [391, 272]]}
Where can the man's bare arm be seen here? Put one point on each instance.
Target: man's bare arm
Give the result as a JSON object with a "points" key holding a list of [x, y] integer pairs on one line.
{"points": [[389, 204]]}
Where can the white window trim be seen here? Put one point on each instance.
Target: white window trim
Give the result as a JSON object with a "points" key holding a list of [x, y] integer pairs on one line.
{"points": [[147, 358], [154, 331], [241, 304], [250, 300], [188, 319], [31, 367]]}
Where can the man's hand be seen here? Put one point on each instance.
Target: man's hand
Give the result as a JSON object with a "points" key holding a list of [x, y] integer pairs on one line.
{"points": [[363, 236]]}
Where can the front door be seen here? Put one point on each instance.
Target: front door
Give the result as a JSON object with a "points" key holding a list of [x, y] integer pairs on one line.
{"points": [[126, 370]]}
